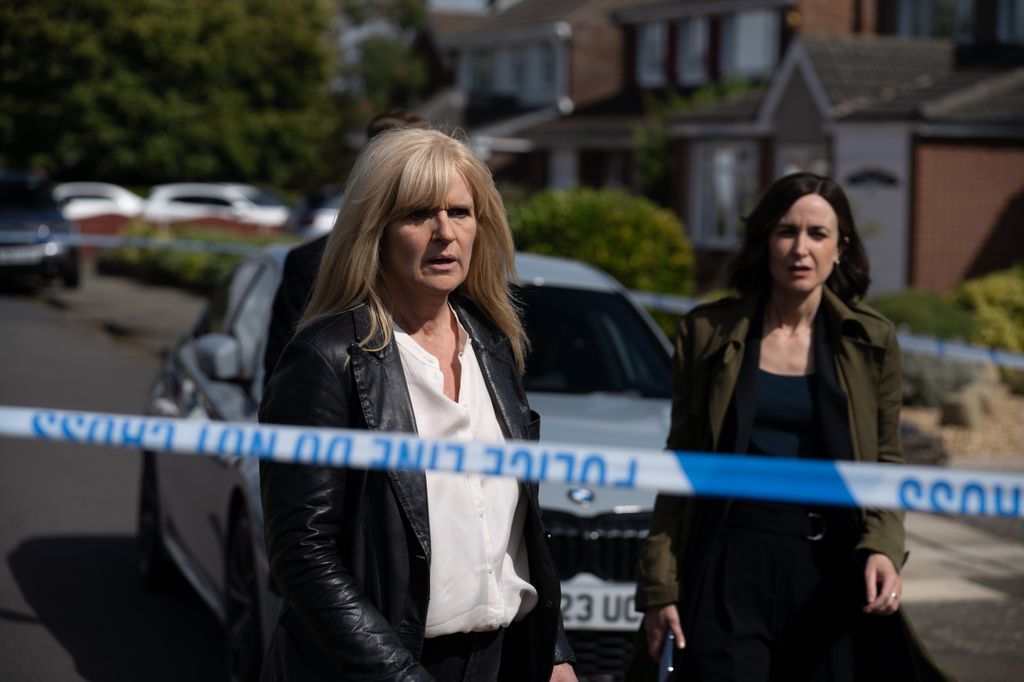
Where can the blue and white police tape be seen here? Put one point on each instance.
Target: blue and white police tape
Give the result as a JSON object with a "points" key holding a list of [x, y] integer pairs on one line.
{"points": [[909, 343], [848, 484]]}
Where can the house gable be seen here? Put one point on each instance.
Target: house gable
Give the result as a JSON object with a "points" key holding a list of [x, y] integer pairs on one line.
{"points": [[798, 78]]}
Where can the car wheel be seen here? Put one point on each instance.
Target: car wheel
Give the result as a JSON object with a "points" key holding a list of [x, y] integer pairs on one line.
{"points": [[244, 647], [155, 567]]}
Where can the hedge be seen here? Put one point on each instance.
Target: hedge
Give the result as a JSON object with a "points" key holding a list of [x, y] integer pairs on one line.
{"points": [[196, 271], [632, 238]]}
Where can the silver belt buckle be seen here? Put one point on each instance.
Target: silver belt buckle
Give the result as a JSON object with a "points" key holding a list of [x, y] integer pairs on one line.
{"points": [[817, 526]]}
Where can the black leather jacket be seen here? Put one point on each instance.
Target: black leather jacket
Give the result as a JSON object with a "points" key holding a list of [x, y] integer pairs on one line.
{"points": [[350, 549]]}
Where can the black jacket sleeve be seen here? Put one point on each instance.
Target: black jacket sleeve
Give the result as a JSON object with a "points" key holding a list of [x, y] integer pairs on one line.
{"points": [[303, 509]]}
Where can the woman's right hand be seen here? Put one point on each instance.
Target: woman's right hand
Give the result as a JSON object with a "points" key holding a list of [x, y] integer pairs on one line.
{"points": [[657, 621]]}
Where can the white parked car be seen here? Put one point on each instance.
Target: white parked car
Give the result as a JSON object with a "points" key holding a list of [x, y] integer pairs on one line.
{"points": [[597, 372], [185, 201], [82, 200]]}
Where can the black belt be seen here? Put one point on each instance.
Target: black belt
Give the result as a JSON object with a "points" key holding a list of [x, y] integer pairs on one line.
{"points": [[791, 521]]}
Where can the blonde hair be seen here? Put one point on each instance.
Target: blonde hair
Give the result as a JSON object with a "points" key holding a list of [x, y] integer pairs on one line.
{"points": [[400, 171]]}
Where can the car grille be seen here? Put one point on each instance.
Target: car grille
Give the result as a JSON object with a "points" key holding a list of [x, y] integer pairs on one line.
{"points": [[601, 656], [607, 545]]}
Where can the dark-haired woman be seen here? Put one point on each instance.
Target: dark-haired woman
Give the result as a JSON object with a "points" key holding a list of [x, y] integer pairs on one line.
{"points": [[795, 366]]}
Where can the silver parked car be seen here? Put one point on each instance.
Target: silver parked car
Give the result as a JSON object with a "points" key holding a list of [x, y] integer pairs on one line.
{"points": [[598, 373], [230, 202]]}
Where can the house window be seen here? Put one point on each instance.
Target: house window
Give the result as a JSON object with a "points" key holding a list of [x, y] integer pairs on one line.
{"points": [[464, 73], [518, 69], [483, 73], [651, 48], [750, 43], [963, 21], [726, 189], [548, 67], [1011, 21], [502, 74], [920, 18], [691, 57]]}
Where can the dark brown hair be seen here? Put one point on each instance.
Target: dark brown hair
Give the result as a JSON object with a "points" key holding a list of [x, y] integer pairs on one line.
{"points": [[749, 273], [392, 119]]}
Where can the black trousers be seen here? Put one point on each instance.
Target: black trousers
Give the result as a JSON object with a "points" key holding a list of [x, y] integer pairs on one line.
{"points": [[464, 656], [774, 605]]}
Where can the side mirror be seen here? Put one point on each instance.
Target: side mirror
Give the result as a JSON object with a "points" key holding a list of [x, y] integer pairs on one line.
{"points": [[219, 356]]}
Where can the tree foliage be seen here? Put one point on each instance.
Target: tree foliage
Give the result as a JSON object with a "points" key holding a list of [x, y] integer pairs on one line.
{"points": [[144, 91], [382, 69], [631, 238], [652, 145]]}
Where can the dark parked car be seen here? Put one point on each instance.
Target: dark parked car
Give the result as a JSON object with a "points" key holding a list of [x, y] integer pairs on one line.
{"points": [[598, 373], [34, 234]]}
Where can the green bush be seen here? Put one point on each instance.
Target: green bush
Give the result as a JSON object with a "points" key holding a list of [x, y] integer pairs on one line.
{"points": [[198, 271], [997, 302], [926, 312], [631, 238]]}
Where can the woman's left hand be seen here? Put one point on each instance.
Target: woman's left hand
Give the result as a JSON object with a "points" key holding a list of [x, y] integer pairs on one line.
{"points": [[884, 585], [563, 672]]}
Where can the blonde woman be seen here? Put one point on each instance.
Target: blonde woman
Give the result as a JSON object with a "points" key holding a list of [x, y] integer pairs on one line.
{"points": [[410, 327]]}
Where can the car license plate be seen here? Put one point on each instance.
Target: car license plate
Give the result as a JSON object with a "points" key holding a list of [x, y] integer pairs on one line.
{"points": [[601, 606], [21, 255]]}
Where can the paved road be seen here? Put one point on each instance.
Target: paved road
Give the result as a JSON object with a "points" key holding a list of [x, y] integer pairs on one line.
{"points": [[68, 599], [70, 604]]}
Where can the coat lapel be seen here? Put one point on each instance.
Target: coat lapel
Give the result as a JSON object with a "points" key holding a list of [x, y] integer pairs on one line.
{"points": [[857, 363], [496, 364], [833, 409], [384, 399], [727, 353]]}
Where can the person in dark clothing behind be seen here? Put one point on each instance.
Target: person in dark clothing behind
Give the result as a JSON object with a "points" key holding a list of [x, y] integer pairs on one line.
{"points": [[303, 262]]}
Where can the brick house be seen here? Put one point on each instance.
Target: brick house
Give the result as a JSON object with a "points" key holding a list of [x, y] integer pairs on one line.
{"points": [[927, 138], [532, 61], [609, 57]]}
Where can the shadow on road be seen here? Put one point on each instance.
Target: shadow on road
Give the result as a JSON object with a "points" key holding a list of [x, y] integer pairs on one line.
{"points": [[85, 591]]}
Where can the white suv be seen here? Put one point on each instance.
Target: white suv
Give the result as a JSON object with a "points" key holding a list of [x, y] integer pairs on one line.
{"points": [[233, 203]]}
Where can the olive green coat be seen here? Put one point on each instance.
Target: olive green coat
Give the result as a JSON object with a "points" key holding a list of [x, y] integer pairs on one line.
{"points": [[710, 346]]}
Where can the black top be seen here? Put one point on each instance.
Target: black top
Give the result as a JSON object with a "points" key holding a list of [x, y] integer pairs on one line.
{"points": [[785, 416]]}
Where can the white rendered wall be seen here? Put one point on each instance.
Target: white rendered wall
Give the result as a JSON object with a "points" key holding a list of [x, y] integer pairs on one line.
{"points": [[881, 210]]}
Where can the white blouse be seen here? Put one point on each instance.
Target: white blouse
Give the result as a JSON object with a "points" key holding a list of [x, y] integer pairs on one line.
{"points": [[479, 575]]}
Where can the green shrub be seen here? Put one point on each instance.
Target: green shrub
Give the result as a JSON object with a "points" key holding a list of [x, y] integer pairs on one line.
{"points": [[926, 312], [997, 302], [631, 238], [198, 271]]}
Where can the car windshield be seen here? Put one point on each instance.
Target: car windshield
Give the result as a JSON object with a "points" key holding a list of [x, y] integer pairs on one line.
{"points": [[591, 342], [25, 194]]}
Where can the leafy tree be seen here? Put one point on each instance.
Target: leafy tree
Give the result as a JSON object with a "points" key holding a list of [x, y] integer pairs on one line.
{"points": [[381, 69], [144, 91], [652, 146]]}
